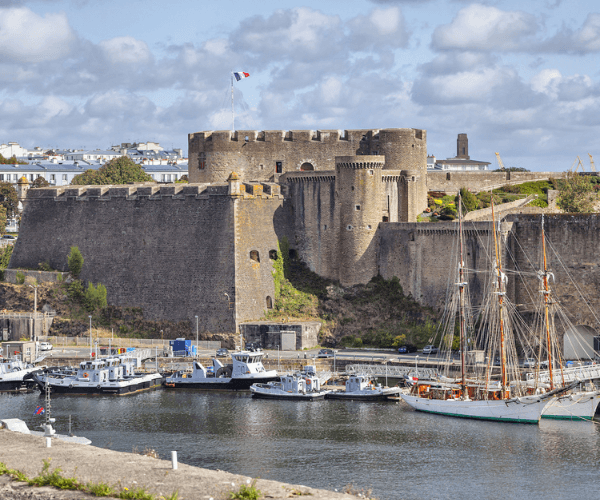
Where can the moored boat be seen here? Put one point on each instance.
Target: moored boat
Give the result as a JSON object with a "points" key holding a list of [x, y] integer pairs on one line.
{"points": [[298, 386], [15, 375], [245, 370], [363, 388], [111, 375]]}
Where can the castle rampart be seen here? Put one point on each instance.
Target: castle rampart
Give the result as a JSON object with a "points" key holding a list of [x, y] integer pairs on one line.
{"points": [[452, 182]]}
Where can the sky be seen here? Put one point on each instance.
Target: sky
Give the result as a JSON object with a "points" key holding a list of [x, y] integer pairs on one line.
{"points": [[520, 78]]}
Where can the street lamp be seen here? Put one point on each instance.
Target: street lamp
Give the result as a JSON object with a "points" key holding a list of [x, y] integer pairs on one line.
{"points": [[196, 336], [90, 336], [34, 297]]}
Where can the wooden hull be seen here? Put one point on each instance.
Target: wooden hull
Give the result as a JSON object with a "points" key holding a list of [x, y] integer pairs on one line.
{"points": [[576, 406], [526, 410]]}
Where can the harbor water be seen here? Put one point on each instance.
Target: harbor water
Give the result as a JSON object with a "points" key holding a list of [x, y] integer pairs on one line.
{"points": [[384, 447]]}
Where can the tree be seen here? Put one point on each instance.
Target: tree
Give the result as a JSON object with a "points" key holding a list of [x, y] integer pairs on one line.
{"points": [[11, 161], [40, 182], [75, 262], [95, 298], [469, 200], [120, 170], [9, 199], [576, 193]]}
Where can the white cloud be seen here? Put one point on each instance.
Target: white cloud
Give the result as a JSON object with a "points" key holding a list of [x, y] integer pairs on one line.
{"points": [[125, 50], [27, 37], [479, 27]]}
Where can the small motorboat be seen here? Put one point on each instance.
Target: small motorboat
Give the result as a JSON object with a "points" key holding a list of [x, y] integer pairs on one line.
{"points": [[363, 388], [299, 386]]}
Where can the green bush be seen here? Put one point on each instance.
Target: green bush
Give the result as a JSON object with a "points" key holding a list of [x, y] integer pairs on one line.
{"points": [[469, 200], [75, 291], [538, 203], [20, 277], [95, 297], [75, 262]]}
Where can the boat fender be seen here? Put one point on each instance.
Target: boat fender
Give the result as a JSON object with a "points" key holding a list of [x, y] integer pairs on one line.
{"points": [[98, 387], [70, 386]]}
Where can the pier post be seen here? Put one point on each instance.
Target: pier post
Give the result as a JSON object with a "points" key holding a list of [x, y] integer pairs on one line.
{"points": [[174, 459]]}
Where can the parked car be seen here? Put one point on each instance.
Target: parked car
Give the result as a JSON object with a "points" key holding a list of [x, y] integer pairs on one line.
{"points": [[430, 349], [253, 346], [9, 237], [326, 353], [406, 348], [529, 363], [45, 346], [222, 352]]}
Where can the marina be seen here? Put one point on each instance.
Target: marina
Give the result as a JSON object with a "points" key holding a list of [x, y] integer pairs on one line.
{"points": [[399, 453]]}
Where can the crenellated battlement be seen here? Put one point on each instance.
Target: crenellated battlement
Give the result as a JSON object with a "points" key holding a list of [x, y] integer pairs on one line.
{"points": [[149, 191], [325, 136]]}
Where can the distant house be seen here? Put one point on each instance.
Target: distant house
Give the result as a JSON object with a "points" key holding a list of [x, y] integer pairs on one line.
{"points": [[461, 162]]}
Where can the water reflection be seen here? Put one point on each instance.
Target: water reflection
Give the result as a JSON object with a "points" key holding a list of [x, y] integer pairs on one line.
{"points": [[330, 444]]}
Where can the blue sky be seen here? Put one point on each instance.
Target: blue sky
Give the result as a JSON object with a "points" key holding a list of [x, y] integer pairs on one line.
{"points": [[520, 78]]}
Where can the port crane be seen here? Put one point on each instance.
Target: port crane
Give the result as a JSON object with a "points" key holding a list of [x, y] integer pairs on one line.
{"points": [[579, 163], [500, 163]]}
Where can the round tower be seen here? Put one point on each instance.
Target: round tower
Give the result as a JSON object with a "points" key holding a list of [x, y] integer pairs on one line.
{"points": [[358, 190], [22, 188], [406, 149]]}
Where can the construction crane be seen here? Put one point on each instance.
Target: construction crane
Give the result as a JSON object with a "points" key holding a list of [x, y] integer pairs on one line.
{"points": [[579, 164], [592, 165], [500, 164]]}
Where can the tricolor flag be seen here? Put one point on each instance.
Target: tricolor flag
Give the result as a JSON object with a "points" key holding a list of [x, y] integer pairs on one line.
{"points": [[39, 410], [240, 75]]}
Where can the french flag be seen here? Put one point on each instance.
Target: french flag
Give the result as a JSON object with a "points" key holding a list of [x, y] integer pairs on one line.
{"points": [[240, 75], [39, 410]]}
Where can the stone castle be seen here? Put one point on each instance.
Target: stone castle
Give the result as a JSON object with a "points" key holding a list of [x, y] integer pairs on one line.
{"points": [[347, 202]]}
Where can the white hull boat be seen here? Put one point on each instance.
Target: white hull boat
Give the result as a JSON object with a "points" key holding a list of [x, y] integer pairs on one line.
{"points": [[300, 386], [574, 406], [247, 369], [362, 388], [524, 410], [16, 375]]}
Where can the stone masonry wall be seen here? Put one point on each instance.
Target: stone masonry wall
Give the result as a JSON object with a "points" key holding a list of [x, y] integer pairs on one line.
{"points": [[452, 182], [255, 232], [573, 253], [168, 249], [422, 255]]}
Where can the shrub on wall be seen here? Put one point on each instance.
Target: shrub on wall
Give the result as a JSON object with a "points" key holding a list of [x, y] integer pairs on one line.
{"points": [[75, 262], [20, 277], [95, 297]]}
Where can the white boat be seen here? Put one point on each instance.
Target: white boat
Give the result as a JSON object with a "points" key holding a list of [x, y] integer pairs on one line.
{"points": [[15, 375], [299, 386], [577, 405], [363, 388], [245, 370], [479, 395], [111, 375]]}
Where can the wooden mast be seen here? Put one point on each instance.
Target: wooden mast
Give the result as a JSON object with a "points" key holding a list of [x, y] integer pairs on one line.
{"points": [[546, 293], [500, 293], [461, 286]]}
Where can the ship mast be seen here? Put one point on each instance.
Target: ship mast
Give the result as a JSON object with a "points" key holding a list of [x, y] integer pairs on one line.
{"points": [[500, 292], [461, 287], [546, 293]]}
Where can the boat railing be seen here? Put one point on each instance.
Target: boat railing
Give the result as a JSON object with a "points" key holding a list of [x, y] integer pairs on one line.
{"points": [[389, 371], [572, 374]]}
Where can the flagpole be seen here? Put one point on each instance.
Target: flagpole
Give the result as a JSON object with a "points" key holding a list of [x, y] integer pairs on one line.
{"points": [[232, 111]]}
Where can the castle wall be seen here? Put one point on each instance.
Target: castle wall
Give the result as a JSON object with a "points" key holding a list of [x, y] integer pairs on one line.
{"points": [[452, 182], [573, 249], [255, 158], [255, 232], [421, 256], [169, 250]]}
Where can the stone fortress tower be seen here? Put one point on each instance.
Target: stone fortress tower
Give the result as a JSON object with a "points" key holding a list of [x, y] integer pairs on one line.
{"points": [[358, 188]]}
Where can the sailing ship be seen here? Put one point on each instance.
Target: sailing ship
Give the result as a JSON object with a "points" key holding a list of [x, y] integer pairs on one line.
{"points": [[476, 395], [581, 400]]}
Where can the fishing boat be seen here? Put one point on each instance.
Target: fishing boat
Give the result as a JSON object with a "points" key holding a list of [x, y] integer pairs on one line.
{"points": [[299, 386], [110, 375], [480, 393], [15, 375], [246, 369], [363, 388]]}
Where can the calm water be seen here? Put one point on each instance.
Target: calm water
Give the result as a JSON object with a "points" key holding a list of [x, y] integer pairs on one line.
{"points": [[397, 452]]}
